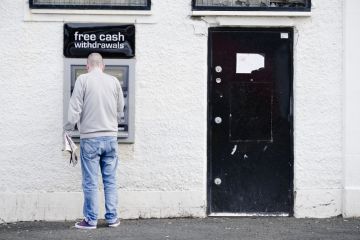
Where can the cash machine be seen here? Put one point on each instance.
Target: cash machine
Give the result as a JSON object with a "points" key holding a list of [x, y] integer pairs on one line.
{"points": [[116, 43]]}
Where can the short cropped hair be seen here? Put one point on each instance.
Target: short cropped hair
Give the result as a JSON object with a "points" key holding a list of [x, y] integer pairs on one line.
{"points": [[95, 60]]}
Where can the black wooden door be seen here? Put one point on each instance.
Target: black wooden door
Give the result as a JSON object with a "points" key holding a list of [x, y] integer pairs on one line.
{"points": [[250, 140]]}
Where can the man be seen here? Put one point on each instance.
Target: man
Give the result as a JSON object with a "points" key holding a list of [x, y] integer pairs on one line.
{"points": [[96, 106]]}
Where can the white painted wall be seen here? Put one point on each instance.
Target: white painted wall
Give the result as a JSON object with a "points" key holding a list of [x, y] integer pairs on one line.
{"points": [[164, 173], [351, 204]]}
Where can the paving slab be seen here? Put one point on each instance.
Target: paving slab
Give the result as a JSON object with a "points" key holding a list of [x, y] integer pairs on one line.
{"points": [[212, 228]]}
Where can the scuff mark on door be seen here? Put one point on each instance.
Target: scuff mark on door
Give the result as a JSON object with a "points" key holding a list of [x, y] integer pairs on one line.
{"points": [[234, 149]]}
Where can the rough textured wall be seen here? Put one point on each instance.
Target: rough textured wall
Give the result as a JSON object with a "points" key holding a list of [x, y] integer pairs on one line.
{"points": [[31, 75], [169, 153], [318, 111]]}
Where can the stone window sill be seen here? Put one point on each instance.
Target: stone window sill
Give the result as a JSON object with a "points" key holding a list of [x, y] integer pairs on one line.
{"points": [[91, 12], [252, 13]]}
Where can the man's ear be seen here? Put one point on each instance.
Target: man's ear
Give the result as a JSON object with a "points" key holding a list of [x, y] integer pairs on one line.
{"points": [[103, 67]]}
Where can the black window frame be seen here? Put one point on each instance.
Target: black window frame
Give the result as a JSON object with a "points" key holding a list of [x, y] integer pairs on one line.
{"points": [[33, 5], [307, 8]]}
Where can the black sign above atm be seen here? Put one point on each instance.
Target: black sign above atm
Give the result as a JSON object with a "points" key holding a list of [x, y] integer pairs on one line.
{"points": [[111, 41]]}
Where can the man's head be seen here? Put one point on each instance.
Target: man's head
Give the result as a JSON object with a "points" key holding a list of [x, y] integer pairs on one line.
{"points": [[95, 60]]}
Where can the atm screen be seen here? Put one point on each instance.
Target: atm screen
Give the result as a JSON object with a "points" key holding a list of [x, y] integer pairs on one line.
{"points": [[120, 72]]}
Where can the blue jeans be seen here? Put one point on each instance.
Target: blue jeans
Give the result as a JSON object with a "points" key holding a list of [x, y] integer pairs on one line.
{"points": [[97, 151]]}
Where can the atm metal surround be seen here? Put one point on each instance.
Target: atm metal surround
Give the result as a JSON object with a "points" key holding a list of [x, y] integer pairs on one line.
{"points": [[124, 67]]}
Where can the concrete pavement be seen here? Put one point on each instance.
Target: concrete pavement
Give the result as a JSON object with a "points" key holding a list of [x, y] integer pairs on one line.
{"points": [[192, 228]]}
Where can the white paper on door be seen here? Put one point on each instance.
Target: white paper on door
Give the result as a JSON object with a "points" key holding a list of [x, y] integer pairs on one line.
{"points": [[248, 62]]}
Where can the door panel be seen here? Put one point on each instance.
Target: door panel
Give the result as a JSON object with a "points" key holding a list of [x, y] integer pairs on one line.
{"points": [[250, 142], [250, 111]]}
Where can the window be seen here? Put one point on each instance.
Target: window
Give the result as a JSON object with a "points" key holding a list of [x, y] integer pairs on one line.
{"points": [[91, 4], [252, 5]]}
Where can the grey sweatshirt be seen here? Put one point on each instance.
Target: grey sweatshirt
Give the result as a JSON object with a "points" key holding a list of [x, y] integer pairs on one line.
{"points": [[96, 105]]}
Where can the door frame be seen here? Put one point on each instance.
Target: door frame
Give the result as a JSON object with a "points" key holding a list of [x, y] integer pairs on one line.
{"points": [[209, 114]]}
